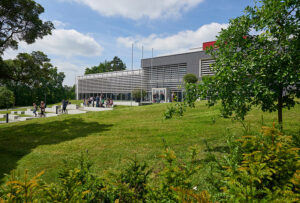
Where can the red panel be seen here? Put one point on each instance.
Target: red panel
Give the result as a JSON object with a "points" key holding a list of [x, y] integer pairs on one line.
{"points": [[208, 44]]}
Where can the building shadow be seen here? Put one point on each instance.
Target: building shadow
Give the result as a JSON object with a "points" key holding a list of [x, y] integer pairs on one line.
{"points": [[16, 141]]}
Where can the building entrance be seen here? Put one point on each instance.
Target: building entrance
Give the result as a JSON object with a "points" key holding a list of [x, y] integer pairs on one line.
{"points": [[159, 95]]}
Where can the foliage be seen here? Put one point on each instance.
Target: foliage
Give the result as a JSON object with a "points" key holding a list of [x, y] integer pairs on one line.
{"points": [[260, 69], [129, 185], [17, 190], [107, 66], [137, 93], [259, 168], [20, 22], [6, 98], [190, 78], [269, 169], [34, 79]]}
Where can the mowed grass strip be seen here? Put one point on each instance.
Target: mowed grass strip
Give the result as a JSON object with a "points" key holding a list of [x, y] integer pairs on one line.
{"points": [[113, 137]]}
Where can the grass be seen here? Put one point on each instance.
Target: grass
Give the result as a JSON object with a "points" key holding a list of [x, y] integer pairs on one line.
{"points": [[113, 137]]}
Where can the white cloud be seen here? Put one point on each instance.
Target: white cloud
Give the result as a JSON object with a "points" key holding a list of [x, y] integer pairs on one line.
{"points": [[58, 24], [136, 9], [175, 43], [62, 42]]}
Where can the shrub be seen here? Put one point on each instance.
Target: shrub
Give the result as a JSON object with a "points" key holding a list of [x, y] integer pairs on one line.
{"points": [[269, 169], [190, 78], [6, 98], [136, 94]]}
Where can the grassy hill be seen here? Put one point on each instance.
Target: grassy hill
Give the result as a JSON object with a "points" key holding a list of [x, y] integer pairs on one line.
{"points": [[113, 137]]}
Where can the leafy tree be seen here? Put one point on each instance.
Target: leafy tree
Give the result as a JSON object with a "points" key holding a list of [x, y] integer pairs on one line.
{"points": [[259, 69], [35, 79], [190, 78], [6, 98], [107, 66], [137, 94], [20, 22], [117, 64]]}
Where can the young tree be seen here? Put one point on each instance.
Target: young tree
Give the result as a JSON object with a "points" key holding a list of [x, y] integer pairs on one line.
{"points": [[190, 78], [138, 94], [260, 69]]}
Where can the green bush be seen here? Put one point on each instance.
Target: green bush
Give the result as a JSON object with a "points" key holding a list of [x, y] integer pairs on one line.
{"points": [[190, 78], [7, 98], [136, 94]]}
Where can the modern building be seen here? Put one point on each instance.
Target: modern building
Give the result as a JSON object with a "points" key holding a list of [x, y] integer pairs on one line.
{"points": [[161, 77]]}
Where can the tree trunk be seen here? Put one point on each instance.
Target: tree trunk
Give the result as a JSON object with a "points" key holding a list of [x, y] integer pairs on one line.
{"points": [[279, 110]]}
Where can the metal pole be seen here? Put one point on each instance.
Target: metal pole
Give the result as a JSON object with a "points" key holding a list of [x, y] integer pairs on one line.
{"points": [[131, 73], [6, 117], [151, 76], [142, 76]]}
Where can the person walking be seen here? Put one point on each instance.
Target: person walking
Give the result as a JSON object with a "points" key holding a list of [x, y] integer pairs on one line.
{"points": [[35, 108], [64, 105], [42, 107], [97, 101]]}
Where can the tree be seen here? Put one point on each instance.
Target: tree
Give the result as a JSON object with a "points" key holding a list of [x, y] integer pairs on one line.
{"points": [[137, 94], [107, 66], [117, 64], [6, 98], [34, 78], [259, 69], [19, 21], [190, 78]]}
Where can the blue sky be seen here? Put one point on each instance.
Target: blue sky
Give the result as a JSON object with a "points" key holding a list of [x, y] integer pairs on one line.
{"points": [[91, 31]]}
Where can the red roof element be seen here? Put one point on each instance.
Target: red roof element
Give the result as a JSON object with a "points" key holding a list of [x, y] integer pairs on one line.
{"points": [[208, 44]]}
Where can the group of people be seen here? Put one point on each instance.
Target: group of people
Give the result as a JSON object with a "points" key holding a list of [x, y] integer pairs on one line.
{"points": [[97, 101], [42, 107]]}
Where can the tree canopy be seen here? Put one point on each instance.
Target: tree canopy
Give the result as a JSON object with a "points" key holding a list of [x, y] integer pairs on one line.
{"points": [[257, 60], [190, 78], [19, 21], [107, 66], [34, 78], [6, 98]]}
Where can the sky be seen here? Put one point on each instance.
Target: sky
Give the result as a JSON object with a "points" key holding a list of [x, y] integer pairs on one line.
{"points": [[91, 31]]}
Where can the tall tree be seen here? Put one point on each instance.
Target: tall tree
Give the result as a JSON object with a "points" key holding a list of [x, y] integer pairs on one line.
{"points": [[261, 69], [107, 66], [117, 64], [34, 78], [19, 21]]}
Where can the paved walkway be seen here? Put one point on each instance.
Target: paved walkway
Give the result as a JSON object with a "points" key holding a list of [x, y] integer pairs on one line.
{"points": [[17, 116]]}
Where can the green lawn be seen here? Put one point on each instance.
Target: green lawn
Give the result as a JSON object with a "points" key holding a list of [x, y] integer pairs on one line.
{"points": [[113, 137]]}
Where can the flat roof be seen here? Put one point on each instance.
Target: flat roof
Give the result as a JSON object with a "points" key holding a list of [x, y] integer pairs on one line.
{"points": [[175, 54], [110, 74]]}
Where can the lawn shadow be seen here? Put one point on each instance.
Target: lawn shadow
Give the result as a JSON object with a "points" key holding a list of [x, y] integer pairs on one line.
{"points": [[18, 141]]}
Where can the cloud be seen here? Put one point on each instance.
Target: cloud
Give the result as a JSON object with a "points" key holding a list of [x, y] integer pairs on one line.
{"points": [[59, 24], [71, 69], [137, 9], [63, 43], [181, 41]]}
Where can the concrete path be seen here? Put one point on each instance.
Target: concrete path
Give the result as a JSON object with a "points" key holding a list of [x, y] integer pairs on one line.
{"points": [[14, 116]]}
